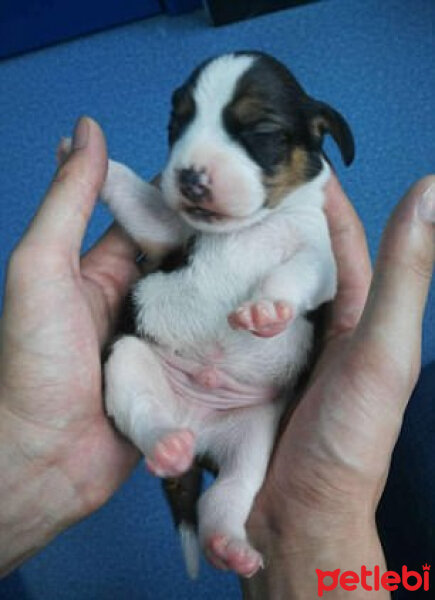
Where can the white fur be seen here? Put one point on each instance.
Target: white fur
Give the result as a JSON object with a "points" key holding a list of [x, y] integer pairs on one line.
{"points": [[238, 192], [139, 207], [190, 549], [281, 254]]}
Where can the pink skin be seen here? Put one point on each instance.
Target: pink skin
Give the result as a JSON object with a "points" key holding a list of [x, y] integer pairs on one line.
{"points": [[265, 318], [208, 377], [225, 553], [172, 454], [171, 457], [231, 193]]}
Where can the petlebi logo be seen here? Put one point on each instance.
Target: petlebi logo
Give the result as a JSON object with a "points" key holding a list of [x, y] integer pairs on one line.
{"points": [[372, 580]]}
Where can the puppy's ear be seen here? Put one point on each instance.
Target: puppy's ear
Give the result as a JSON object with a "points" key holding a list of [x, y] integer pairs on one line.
{"points": [[324, 119]]}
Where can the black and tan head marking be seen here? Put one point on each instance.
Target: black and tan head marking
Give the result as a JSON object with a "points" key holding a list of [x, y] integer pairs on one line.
{"points": [[281, 127], [183, 107], [243, 135]]}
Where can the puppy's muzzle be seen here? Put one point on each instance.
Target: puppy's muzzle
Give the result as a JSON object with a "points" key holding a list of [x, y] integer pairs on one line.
{"points": [[193, 185]]}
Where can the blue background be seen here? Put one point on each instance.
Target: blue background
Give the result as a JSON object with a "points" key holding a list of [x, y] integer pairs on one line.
{"points": [[30, 24], [373, 61]]}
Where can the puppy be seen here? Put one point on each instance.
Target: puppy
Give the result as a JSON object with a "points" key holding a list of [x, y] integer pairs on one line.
{"points": [[222, 339]]}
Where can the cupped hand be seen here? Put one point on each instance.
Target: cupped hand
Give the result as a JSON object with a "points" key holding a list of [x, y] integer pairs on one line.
{"points": [[59, 312], [317, 507]]}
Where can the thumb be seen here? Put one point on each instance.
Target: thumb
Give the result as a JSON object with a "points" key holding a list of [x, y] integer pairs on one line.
{"points": [[64, 214], [390, 328]]}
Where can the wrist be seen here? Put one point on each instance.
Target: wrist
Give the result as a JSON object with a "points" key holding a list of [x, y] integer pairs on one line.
{"points": [[300, 542], [300, 569], [37, 501]]}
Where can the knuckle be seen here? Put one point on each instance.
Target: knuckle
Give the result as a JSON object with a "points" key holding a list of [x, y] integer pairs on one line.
{"points": [[20, 267], [83, 183], [19, 260], [87, 187], [29, 261], [385, 374], [420, 265]]}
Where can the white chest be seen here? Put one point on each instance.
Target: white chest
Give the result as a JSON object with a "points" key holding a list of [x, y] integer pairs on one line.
{"points": [[190, 306]]}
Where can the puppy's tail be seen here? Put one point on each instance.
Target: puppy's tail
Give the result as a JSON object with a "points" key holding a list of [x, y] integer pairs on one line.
{"points": [[182, 494], [190, 548]]}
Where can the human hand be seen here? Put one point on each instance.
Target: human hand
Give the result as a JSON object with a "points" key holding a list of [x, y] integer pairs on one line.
{"points": [[61, 458], [317, 507]]}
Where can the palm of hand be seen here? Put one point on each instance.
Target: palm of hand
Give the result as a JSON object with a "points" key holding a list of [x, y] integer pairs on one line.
{"points": [[59, 312], [57, 319], [333, 456]]}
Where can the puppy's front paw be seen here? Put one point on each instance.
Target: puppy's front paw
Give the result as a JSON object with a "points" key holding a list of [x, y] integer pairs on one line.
{"points": [[264, 318], [172, 454], [63, 150], [236, 554]]}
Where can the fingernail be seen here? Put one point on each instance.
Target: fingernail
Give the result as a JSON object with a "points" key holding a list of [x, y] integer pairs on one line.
{"points": [[81, 134], [426, 205]]}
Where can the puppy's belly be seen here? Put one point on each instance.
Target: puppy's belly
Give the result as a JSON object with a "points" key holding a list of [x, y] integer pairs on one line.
{"points": [[210, 386], [276, 360]]}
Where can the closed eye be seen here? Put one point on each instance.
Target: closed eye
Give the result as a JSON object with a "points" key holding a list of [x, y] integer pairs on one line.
{"points": [[264, 133], [266, 145], [265, 128]]}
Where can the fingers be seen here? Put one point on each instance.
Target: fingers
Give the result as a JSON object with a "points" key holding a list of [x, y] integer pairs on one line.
{"points": [[64, 214], [112, 263], [109, 267], [115, 242], [350, 250], [391, 324]]}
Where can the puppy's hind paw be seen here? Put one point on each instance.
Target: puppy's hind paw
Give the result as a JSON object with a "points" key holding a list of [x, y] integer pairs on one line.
{"points": [[265, 318], [172, 454], [236, 554]]}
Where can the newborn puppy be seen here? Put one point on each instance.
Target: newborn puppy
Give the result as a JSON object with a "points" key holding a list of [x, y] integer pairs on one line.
{"points": [[222, 339]]}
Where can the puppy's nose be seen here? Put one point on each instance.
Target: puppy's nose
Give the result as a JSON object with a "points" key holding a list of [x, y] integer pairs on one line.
{"points": [[193, 184]]}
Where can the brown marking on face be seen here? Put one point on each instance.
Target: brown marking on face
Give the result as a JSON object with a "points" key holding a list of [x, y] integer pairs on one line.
{"points": [[247, 109], [287, 177], [250, 110]]}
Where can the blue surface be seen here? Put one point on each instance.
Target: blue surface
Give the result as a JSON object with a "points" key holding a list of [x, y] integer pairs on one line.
{"points": [[371, 60], [27, 25]]}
